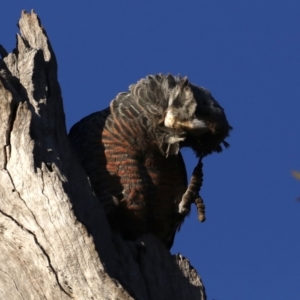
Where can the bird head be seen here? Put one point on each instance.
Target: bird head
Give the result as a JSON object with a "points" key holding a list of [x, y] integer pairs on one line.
{"points": [[193, 110]]}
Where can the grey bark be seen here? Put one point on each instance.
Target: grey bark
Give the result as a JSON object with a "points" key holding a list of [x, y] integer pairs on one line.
{"points": [[55, 242]]}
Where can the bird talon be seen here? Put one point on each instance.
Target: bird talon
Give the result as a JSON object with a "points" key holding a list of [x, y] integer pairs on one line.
{"points": [[183, 210]]}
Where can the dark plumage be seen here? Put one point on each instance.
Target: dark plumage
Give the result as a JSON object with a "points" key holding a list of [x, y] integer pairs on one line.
{"points": [[131, 151]]}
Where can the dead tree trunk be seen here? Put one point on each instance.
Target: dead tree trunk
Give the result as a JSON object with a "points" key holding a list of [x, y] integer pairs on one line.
{"points": [[55, 240]]}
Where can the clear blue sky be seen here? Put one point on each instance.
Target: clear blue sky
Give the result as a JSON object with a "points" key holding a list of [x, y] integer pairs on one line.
{"points": [[248, 54]]}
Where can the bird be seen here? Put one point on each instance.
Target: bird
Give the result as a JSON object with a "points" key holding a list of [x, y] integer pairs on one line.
{"points": [[131, 152]]}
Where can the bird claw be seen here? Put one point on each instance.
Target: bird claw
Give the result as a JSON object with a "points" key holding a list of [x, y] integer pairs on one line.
{"points": [[183, 208], [201, 209]]}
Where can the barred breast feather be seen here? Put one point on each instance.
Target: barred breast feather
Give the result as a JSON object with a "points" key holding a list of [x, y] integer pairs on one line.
{"points": [[131, 152]]}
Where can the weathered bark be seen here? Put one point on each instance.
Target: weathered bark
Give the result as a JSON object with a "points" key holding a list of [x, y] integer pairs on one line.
{"points": [[55, 240]]}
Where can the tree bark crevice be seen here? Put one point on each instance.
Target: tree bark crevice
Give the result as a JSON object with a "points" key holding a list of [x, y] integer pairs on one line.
{"points": [[55, 240], [28, 232]]}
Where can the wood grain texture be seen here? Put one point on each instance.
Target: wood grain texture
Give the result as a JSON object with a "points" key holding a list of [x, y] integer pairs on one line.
{"points": [[54, 236]]}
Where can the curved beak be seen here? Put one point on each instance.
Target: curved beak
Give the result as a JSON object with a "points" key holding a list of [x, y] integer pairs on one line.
{"points": [[195, 127]]}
